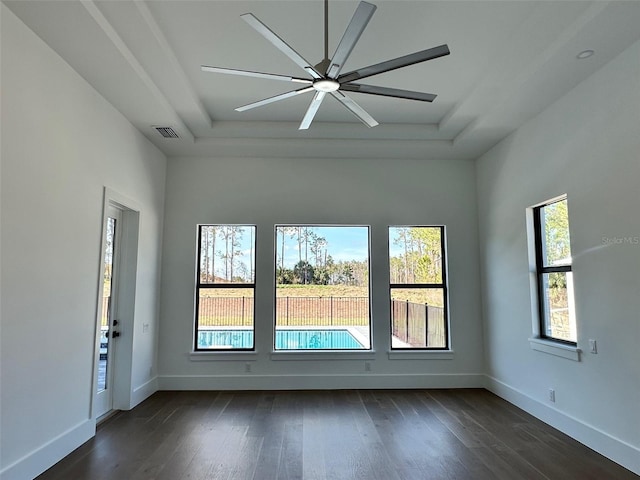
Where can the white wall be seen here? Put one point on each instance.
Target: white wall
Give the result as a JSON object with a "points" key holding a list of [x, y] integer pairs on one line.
{"points": [[586, 145], [348, 191], [62, 143]]}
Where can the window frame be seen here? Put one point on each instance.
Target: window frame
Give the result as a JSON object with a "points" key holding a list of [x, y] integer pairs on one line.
{"points": [[322, 352], [442, 286], [207, 285], [541, 270]]}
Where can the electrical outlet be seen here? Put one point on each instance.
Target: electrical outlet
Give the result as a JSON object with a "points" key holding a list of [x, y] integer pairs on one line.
{"points": [[367, 366], [593, 346], [552, 395], [247, 368]]}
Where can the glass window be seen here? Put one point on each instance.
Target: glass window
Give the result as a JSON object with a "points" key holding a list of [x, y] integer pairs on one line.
{"points": [[322, 288], [225, 287], [553, 269], [418, 287]]}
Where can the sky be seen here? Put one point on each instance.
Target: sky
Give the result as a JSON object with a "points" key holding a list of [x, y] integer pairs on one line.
{"points": [[343, 244]]}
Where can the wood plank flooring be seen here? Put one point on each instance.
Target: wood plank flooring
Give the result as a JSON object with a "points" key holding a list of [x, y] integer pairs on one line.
{"points": [[318, 435]]}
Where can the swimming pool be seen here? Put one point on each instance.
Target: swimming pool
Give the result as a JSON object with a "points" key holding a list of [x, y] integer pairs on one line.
{"points": [[289, 339]]}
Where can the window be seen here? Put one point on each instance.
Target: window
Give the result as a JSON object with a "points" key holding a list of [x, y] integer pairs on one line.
{"points": [[322, 288], [225, 287], [418, 288], [553, 272]]}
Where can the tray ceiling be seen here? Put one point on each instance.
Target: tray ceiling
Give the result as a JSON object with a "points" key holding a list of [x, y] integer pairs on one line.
{"points": [[509, 60]]}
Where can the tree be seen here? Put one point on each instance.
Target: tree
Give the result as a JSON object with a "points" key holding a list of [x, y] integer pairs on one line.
{"points": [[402, 240], [331, 269], [396, 267], [360, 272], [428, 266], [421, 260], [556, 241], [284, 276], [347, 272], [231, 235], [317, 246], [207, 253], [283, 232], [320, 276], [236, 237], [303, 272], [556, 232], [252, 272]]}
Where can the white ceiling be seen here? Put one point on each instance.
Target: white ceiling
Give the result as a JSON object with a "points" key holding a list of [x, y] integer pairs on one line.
{"points": [[509, 60]]}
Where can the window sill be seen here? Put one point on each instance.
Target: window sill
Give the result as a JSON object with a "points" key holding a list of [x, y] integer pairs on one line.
{"points": [[421, 355], [288, 355], [552, 348], [218, 355]]}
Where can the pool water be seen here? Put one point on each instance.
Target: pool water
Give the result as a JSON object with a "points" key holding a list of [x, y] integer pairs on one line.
{"points": [[285, 339]]}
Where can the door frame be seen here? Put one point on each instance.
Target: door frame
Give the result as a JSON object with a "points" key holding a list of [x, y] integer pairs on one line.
{"points": [[104, 398], [126, 294]]}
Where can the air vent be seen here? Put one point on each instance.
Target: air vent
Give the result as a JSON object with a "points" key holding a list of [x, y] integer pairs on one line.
{"points": [[167, 132]]}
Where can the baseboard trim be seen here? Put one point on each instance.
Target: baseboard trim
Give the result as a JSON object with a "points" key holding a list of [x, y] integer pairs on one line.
{"points": [[319, 381], [44, 457], [144, 391], [613, 448]]}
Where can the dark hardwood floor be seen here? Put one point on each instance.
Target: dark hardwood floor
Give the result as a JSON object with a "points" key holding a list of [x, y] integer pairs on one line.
{"points": [[344, 434]]}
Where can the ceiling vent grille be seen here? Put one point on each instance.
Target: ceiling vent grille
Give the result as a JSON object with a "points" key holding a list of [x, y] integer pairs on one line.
{"points": [[167, 132]]}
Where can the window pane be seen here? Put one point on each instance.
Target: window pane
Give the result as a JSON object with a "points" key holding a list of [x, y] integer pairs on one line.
{"points": [[415, 254], [556, 249], [418, 318], [227, 254], [225, 318], [560, 319], [322, 287], [106, 303]]}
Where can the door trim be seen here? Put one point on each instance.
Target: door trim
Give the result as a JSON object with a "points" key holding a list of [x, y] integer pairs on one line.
{"points": [[126, 292]]}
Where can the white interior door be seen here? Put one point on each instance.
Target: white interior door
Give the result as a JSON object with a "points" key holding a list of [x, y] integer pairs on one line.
{"points": [[108, 330]]}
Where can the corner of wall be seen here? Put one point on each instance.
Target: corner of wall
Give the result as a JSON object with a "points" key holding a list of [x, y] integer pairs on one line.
{"points": [[43, 457], [613, 448], [144, 391]]}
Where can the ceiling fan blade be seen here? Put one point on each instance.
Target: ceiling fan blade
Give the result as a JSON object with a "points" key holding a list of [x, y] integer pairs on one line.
{"points": [[358, 23], [266, 101], [356, 109], [399, 62], [248, 73], [312, 110], [280, 44], [388, 92]]}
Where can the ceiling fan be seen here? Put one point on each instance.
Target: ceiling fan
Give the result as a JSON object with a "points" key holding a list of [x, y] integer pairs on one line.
{"points": [[326, 77]]}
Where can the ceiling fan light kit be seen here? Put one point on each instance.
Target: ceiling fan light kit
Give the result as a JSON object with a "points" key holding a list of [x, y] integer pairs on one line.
{"points": [[325, 76]]}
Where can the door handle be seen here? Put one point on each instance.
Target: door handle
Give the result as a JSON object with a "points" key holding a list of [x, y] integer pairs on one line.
{"points": [[115, 334]]}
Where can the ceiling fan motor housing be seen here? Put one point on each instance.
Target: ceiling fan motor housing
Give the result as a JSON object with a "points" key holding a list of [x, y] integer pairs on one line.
{"points": [[326, 85]]}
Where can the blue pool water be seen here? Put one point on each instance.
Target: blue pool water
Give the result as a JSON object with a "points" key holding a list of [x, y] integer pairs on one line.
{"points": [[285, 339]]}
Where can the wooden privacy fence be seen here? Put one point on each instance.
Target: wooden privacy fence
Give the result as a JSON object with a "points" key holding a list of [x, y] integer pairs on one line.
{"points": [[290, 311], [418, 324]]}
